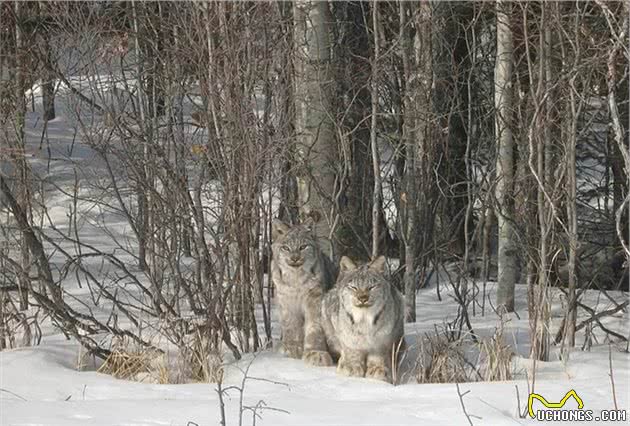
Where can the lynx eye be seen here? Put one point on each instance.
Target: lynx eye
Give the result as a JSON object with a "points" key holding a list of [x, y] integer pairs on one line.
{"points": [[353, 288], [284, 248], [303, 247]]}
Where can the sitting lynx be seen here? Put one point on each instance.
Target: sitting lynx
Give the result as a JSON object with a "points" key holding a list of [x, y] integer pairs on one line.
{"points": [[363, 320], [301, 274]]}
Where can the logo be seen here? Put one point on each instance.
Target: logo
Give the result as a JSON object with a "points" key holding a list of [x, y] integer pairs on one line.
{"points": [[533, 396], [553, 412]]}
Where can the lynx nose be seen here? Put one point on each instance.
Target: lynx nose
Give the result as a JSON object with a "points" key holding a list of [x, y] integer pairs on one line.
{"points": [[295, 258], [363, 297]]}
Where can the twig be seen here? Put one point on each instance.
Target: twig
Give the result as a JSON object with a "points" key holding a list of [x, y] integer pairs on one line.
{"points": [[220, 391], [461, 401], [13, 393], [597, 316], [240, 388], [612, 378], [518, 404], [260, 406], [273, 382], [596, 319]]}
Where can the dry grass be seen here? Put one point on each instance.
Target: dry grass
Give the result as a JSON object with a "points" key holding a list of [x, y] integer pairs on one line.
{"points": [[129, 362], [398, 357], [445, 359], [194, 362], [442, 360], [495, 358], [206, 365]]}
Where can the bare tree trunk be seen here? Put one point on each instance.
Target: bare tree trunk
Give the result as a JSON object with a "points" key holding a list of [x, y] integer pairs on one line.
{"points": [[47, 74], [376, 162], [408, 196], [538, 300], [569, 333], [418, 73], [453, 37], [354, 67], [48, 83], [288, 210], [143, 202], [507, 260], [177, 115], [618, 132], [22, 171], [314, 123]]}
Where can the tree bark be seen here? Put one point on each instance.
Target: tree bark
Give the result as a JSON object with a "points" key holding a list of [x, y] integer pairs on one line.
{"points": [[143, 199], [355, 94], [22, 169], [316, 143], [376, 163], [569, 333], [507, 260], [452, 35], [418, 73], [48, 83]]}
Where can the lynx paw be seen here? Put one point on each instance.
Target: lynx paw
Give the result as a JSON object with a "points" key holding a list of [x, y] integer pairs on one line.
{"points": [[291, 350], [318, 358], [352, 370], [378, 372]]}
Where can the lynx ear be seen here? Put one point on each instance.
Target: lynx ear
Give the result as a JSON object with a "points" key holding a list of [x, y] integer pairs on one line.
{"points": [[311, 219], [378, 264], [315, 216], [345, 264], [278, 229]]}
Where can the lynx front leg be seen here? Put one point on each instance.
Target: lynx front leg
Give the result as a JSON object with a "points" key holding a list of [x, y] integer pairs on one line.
{"points": [[315, 349], [351, 363], [378, 368], [292, 333]]}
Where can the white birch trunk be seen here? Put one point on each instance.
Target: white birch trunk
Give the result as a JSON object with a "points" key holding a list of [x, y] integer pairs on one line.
{"points": [[507, 261], [315, 131]]}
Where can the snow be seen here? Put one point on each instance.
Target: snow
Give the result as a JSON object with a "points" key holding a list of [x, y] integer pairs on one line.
{"points": [[47, 389], [42, 385]]}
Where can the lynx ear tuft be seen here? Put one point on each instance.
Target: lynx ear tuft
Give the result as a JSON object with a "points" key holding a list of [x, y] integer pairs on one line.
{"points": [[345, 264], [378, 264], [278, 229]]}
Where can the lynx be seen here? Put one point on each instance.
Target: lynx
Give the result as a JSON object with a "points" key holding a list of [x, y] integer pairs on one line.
{"points": [[301, 275], [363, 320]]}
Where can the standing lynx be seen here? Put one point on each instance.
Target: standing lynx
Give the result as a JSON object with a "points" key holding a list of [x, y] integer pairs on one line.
{"points": [[363, 320], [301, 274]]}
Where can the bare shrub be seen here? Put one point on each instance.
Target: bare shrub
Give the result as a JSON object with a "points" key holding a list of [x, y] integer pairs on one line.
{"points": [[17, 328]]}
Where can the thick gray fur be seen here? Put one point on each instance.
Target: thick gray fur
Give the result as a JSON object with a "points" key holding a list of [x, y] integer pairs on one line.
{"points": [[363, 317], [301, 275]]}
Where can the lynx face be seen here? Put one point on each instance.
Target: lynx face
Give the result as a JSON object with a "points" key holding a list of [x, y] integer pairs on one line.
{"points": [[295, 247], [363, 288]]}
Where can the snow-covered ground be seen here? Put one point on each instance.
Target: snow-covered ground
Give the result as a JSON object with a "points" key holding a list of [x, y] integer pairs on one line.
{"points": [[42, 385]]}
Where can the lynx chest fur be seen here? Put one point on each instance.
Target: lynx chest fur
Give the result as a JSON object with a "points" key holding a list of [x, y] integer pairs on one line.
{"points": [[301, 275]]}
